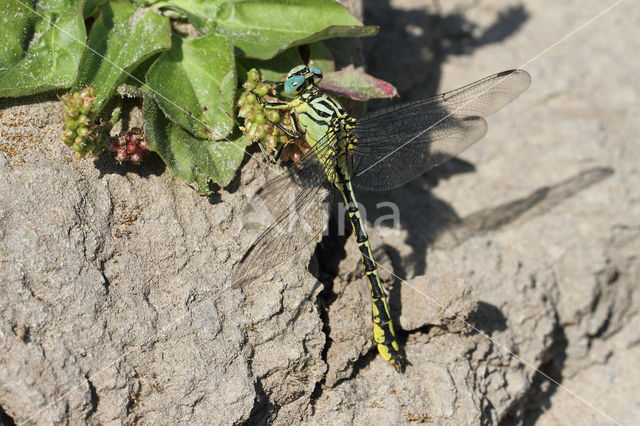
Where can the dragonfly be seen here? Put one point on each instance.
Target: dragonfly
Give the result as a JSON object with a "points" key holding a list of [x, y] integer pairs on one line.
{"points": [[379, 151]]}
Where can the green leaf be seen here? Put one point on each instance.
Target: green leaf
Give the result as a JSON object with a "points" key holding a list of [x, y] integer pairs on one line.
{"points": [[144, 3], [139, 74], [261, 29], [18, 22], [195, 84], [41, 48], [91, 7], [192, 159], [274, 69], [121, 38], [320, 56], [357, 85]]}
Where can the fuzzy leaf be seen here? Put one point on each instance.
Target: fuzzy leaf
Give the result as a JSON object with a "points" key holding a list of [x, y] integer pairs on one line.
{"points": [[262, 29], [195, 84], [193, 160], [41, 48], [357, 85], [121, 38]]}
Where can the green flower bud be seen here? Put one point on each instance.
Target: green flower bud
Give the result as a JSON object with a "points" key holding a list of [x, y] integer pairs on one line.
{"points": [[251, 116], [270, 141], [262, 89], [244, 111], [253, 75], [71, 124], [273, 115], [251, 133]]}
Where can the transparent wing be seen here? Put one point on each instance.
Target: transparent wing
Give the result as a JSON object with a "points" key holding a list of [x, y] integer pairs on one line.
{"points": [[399, 143], [295, 208]]}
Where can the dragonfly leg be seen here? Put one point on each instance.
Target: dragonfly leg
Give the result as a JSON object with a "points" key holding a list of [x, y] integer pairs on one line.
{"points": [[270, 105], [278, 152], [273, 159], [294, 134], [265, 154], [278, 105]]}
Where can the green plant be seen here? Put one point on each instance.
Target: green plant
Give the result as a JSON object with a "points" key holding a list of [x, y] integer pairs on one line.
{"points": [[183, 58], [81, 129]]}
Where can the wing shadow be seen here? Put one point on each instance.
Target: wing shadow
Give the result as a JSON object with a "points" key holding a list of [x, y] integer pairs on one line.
{"points": [[433, 222]]}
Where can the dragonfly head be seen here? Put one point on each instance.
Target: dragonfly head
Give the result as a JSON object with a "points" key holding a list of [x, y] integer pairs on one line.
{"points": [[301, 77]]}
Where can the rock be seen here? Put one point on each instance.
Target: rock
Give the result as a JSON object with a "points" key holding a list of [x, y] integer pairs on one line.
{"points": [[511, 271], [468, 360], [116, 301]]}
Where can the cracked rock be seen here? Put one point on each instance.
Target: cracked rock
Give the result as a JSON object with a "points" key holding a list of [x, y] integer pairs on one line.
{"points": [[509, 270]]}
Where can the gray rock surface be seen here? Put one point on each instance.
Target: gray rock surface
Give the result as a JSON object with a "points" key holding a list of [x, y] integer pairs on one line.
{"points": [[116, 302], [515, 264]]}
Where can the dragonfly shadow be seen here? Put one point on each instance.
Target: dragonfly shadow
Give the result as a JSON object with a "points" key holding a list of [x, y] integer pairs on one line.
{"points": [[415, 42], [420, 212], [535, 204], [433, 222]]}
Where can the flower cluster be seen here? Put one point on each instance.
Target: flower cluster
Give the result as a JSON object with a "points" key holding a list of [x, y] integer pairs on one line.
{"points": [[130, 145], [259, 122], [81, 131]]}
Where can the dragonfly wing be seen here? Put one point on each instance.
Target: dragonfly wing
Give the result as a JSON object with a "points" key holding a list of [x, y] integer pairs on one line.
{"points": [[295, 206], [399, 143], [380, 169]]}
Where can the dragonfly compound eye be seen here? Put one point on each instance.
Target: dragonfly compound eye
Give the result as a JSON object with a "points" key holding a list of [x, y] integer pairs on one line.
{"points": [[293, 84], [317, 74]]}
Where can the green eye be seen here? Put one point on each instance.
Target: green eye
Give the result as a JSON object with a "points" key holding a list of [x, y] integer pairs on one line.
{"points": [[293, 84], [317, 72]]}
